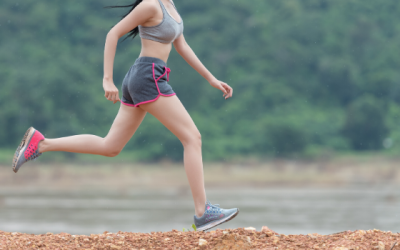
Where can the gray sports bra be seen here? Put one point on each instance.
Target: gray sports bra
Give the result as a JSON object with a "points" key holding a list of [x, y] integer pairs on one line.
{"points": [[166, 31]]}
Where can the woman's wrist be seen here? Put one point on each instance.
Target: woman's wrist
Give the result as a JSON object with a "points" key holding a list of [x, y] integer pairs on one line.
{"points": [[212, 79], [107, 77]]}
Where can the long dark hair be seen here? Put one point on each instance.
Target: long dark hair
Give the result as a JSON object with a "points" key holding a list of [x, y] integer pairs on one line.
{"points": [[133, 33]]}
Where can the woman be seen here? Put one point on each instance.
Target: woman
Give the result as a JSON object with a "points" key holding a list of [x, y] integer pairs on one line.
{"points": [[145, 89]]}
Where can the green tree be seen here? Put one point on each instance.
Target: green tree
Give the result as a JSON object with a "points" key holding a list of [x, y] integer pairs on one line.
{"points": [[365, 124]]}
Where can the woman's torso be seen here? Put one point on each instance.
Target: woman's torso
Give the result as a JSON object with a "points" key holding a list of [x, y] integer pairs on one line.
{"points": [[160, 31]]}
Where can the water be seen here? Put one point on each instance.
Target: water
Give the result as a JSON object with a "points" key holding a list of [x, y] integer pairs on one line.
{"points": [[287, 211]]}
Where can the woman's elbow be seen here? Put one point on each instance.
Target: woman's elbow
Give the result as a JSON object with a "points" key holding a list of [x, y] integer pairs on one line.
{"points": [[113, 35]]}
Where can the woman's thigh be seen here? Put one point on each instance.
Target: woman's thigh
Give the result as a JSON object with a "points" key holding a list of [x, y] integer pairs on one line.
{"points": [[124, 126], [173, 115]]}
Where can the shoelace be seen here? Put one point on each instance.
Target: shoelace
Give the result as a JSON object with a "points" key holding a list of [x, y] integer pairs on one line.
{"points": [[214, 207]]}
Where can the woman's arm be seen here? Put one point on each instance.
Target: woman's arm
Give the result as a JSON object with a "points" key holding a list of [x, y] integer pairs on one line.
{"points": [[190, 57], [139, 15]]}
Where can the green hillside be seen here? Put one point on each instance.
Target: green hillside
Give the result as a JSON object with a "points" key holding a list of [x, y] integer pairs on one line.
{"points": [[308, 76]]}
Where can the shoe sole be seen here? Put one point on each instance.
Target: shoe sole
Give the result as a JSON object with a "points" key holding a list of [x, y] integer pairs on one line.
{"points": [[22, 145], [216, 223]]}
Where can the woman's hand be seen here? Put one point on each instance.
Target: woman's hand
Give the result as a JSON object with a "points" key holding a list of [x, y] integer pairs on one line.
{"points": [[111, 92], [225, 88]]}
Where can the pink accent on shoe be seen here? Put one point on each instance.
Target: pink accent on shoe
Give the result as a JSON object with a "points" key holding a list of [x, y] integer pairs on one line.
{"points": [[33, 144], [167, 71]]}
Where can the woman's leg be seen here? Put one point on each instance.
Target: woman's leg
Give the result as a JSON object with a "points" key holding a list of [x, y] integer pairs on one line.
{"points": [[171, 113], [125, 124]]}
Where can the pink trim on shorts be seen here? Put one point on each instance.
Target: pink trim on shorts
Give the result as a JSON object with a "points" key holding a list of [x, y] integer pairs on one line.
{"points": [[167, 71], [168, 95], [128, 104]]}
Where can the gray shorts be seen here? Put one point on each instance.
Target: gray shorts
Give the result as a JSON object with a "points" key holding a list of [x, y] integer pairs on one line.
{"points": [[145, 82]]}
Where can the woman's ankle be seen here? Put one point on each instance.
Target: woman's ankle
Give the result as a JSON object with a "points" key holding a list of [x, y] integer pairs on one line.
{"points": [[42, 146], [199, 211]]}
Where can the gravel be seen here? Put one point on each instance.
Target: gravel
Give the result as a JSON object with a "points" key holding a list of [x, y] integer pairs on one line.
{"points": [[240, 238]]}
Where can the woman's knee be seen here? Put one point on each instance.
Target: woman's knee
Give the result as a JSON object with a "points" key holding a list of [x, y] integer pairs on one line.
{"points": [[192, 139], [110, 150], [111, 153]]}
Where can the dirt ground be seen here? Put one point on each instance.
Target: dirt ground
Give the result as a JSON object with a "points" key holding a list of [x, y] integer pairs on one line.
{"points": [[238, 239]]}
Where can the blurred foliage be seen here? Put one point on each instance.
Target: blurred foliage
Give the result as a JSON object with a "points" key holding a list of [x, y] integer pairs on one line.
{"points": [[310, 74], [365, 124]]}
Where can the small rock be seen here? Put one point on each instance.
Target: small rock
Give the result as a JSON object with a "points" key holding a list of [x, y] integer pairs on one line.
{"points": [[341, 248], [248, 239], [311, 236], [268, 231], [250, 229], [202, 242], [361, 232], [109, 238], [380, 246], [167, 239], [225, 232]]}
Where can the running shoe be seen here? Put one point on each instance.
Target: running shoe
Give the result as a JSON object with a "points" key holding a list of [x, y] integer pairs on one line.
{"points": [[214, 216], [28, 149]]}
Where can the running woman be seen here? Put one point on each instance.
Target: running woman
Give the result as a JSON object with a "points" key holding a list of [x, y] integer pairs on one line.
{"points": [[145, 89]]}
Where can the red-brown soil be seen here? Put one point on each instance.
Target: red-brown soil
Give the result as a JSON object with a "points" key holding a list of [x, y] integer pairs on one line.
{"points": [[219, 239]]}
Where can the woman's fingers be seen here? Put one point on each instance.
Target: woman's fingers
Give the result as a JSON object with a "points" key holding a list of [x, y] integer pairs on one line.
{"points": [[225, 88], [111, 92], [228, 90], [112, 96], [116, 98], [222, 88]]}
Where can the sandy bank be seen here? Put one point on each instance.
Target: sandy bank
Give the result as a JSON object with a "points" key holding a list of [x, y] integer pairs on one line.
{"points": [[240, 238], [276, 173]]}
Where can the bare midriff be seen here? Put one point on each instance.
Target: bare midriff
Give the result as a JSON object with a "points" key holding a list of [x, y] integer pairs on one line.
{"points": [[155, 49]]}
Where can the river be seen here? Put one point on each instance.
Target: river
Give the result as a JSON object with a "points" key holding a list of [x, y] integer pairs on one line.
{"points": [[287, 211]]}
